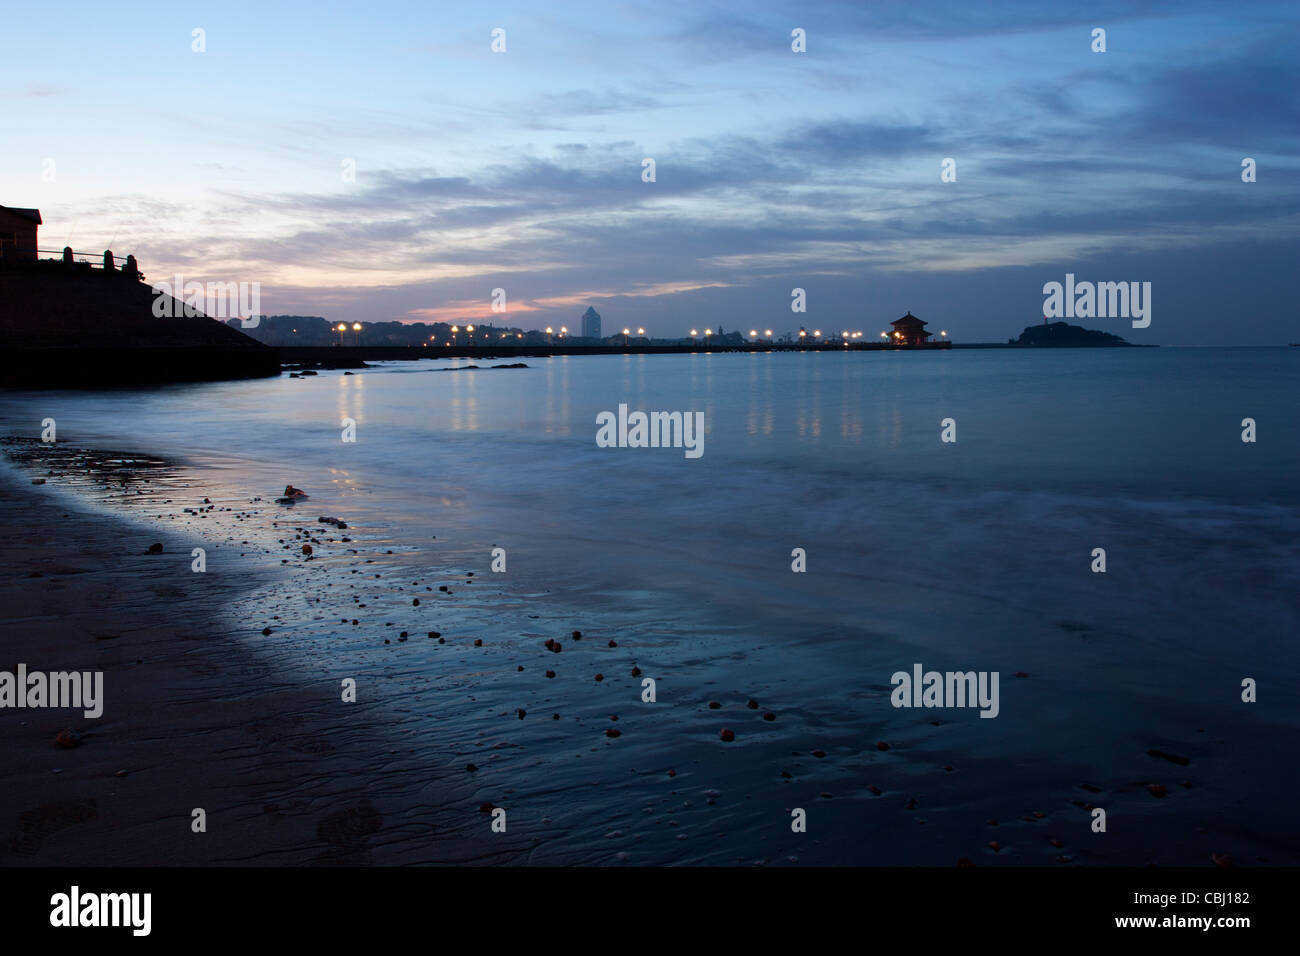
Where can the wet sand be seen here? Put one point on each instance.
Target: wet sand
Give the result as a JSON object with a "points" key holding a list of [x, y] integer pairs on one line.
{"points": [[286, 774]]}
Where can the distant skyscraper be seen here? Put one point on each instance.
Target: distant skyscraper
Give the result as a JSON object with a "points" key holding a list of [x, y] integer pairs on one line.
{"points": [[591, 324]]}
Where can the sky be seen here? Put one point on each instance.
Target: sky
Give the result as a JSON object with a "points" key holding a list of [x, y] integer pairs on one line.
{"points": [[522, 170]]}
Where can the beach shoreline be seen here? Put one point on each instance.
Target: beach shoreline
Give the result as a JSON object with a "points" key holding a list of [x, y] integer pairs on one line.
{"points": [[249, 725], [192, 718]]}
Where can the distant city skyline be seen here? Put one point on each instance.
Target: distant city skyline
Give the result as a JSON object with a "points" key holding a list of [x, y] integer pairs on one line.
{"points": [[378, 164]]}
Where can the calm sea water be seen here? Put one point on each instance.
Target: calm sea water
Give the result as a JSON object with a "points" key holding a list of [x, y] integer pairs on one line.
{"points": [[972, 555]]}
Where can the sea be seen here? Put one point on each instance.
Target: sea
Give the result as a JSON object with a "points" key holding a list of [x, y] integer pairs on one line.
{"points": [[1094, 531]]}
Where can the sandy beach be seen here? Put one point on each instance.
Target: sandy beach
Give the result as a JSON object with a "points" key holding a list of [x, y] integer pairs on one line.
{"points": [[192, 719]]}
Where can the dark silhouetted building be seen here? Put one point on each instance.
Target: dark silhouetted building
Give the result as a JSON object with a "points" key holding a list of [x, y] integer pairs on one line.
{"points": [[909, 330], [18, 232]]}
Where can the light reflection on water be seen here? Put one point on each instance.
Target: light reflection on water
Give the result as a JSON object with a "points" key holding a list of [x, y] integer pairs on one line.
{"points": [[972, 553]]}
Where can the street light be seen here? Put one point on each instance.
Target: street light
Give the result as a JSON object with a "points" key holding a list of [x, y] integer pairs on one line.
{"points": [[626, 333], [640, 331], [342, 327], [694, 335], [564, 330], [356, 333], [548, 335]]}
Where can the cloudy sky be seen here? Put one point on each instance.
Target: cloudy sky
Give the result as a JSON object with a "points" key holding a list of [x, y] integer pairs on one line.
{"points": [[522, 170]]}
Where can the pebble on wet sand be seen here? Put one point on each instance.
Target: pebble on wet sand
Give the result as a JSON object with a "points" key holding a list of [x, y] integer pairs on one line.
{"points": [[1172, 758], [881, 745], [470, 768], [521, 712], [613, 732], [478, 642], [726, 736], [1157, 789], [768, 715], [67, 739], [577, 635], [714, 705], [550, 673], [266, 631], [600, 677], [613, 643], [752, 704], [155, 549], [636, 672]]}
